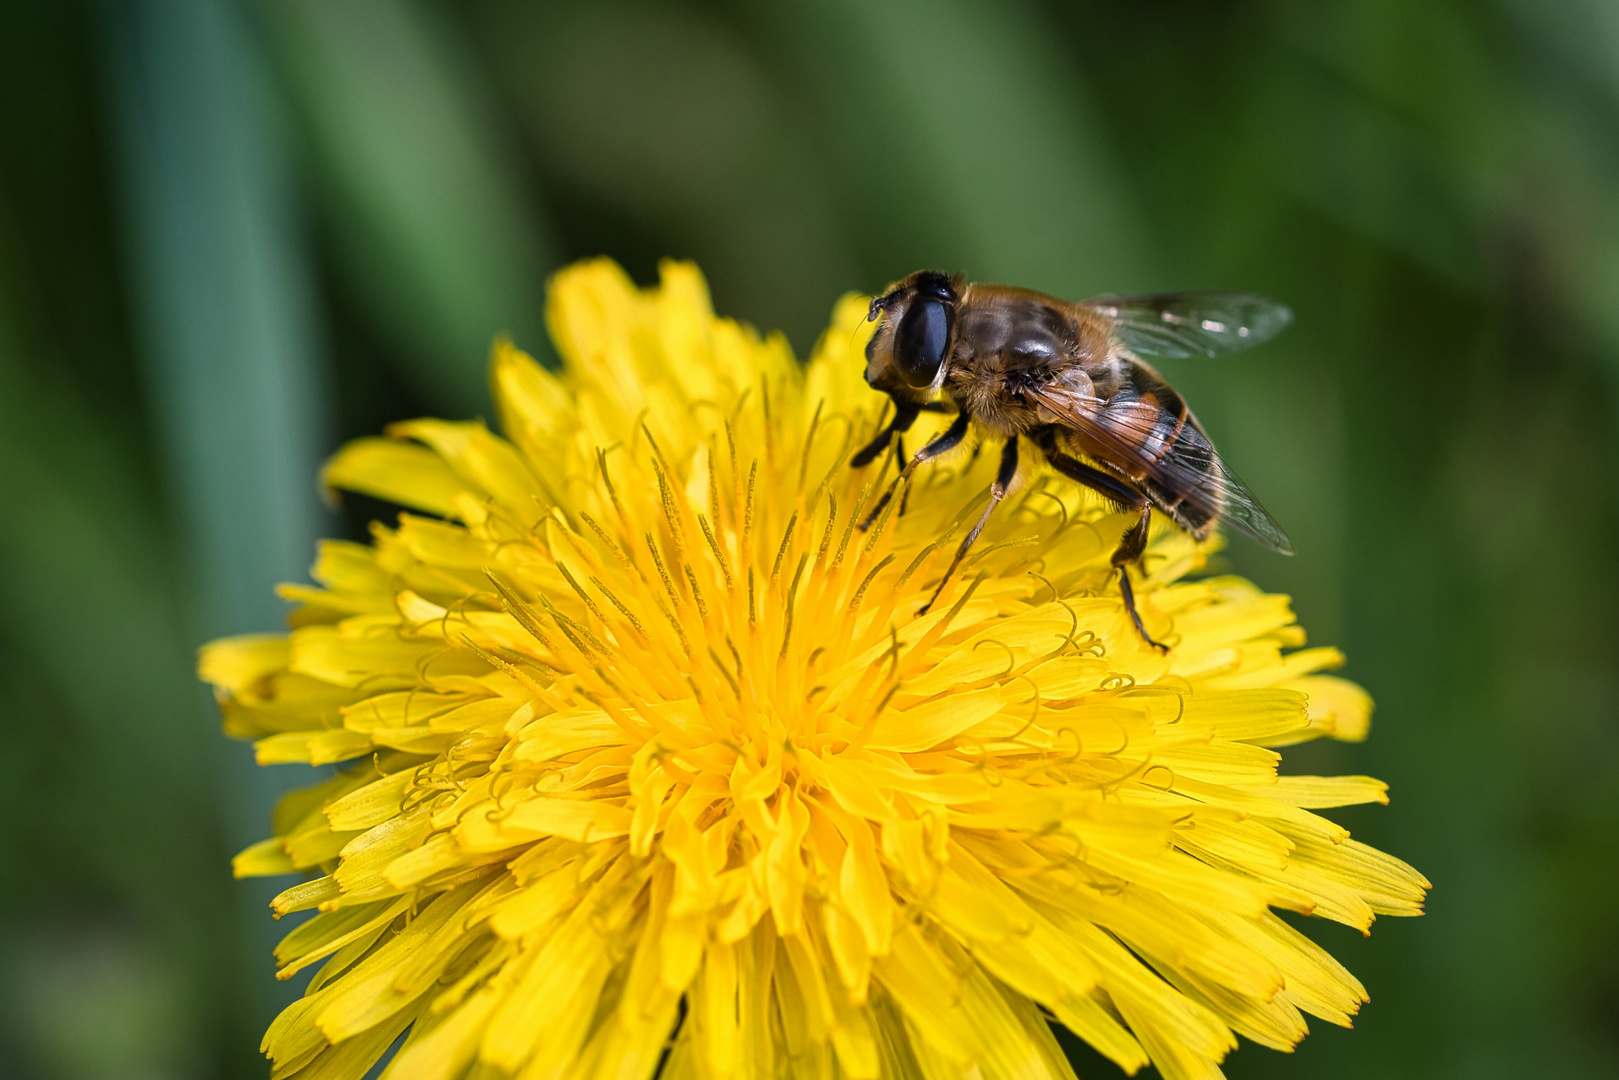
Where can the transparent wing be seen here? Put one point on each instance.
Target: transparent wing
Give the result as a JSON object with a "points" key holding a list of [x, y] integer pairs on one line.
{"points": [[1240, 510], [1178, 460], [1189, 324]]}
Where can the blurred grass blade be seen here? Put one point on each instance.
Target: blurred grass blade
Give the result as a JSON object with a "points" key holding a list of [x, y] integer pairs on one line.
{"points": [[226, 336], [432, 225], [87, 597], [966, 123], [222, 291], [662, 114], [90, 625]]}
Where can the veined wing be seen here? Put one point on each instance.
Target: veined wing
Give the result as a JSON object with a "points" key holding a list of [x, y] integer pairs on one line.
{"points": [[1171, 453], [1186, 324]]}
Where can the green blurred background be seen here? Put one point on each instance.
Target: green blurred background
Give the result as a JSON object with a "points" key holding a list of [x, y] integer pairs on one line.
{"points": [[234, 234]]}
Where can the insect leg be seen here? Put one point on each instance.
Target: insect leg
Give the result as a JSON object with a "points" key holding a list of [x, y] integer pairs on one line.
{"points": [[899, 454], [997, 492], [1129, 551], [1127, 591], [899, 448], [1133, 542], [944, 442], [905, 415]]}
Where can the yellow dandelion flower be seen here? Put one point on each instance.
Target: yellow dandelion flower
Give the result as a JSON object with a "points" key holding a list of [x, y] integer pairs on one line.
{"points": [[652, 766]]}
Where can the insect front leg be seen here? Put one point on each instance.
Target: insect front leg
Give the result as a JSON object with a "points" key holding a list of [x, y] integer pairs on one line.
{"points": [[905, 414], [1133, 543], [942, 443], [997, 492], [899, 455]]}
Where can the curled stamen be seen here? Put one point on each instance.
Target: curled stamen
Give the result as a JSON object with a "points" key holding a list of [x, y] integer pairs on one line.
{"points": [[1035, 715], [1011, 658], [1112, 787], [499, 791], [1151, 769], [1062, 508], [1093, 645], [1079, 745], [1055, 595], [981, 764], [1124, 734], [1158, 690]]}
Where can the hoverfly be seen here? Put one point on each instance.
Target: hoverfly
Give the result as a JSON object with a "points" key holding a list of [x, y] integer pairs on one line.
{"points": [[1068, 378]]}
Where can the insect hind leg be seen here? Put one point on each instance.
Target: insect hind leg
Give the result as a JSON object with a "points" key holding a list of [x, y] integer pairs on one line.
{"points": [[1133, 543], [1127, 591], [1129, 551]]}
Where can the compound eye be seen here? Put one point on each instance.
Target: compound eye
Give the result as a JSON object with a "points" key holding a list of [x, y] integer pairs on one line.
{"points": [[920, 341]]}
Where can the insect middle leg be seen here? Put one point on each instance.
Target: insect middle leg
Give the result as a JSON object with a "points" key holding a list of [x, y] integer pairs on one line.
{"points": [[944, 442], [1133, 543], [905, 414], [899, 451], [997, 492]]}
